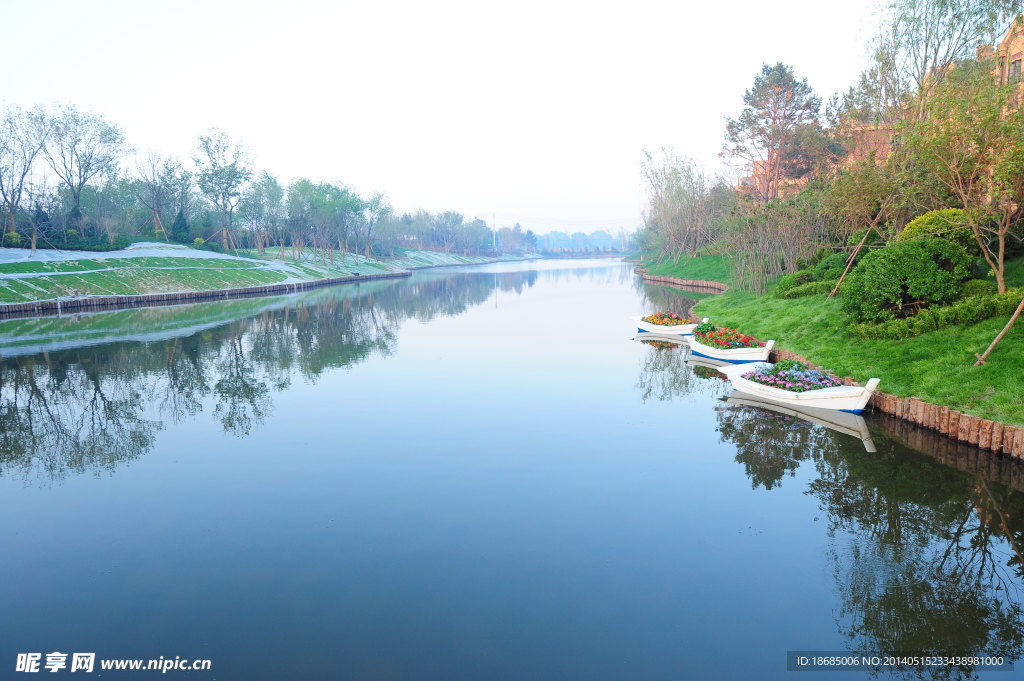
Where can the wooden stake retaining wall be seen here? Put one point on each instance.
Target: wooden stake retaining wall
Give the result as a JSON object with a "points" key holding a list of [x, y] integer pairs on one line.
{"points": [[987, 464], [60, 306], [972, 430], [715, 286], [982, 433]]}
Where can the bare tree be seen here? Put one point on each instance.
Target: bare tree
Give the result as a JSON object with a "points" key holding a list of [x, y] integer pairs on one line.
{"points": [[81, 146], [22, 135], [150, 188], [684, 202]]}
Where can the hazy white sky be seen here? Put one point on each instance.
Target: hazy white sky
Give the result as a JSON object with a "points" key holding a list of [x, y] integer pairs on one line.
{"points": [[537, 112]]}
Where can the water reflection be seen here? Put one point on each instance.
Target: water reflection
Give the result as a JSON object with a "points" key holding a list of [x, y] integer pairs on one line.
{"points": [[665, 373], [70, 404], [833, 419], [926, 558], [657, 298], [541, 517]]}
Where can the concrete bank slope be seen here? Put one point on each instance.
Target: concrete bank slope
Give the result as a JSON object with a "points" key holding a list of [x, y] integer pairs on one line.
{"points": [[54, 282], [64, 305]]}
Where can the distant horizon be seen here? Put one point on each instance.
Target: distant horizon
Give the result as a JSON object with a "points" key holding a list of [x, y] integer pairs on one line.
{"points": [[537, 115]]}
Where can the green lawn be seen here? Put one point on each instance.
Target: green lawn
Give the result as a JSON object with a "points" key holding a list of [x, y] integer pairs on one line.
{"points": [[707, 267], [937, 367], [1014, 273]]}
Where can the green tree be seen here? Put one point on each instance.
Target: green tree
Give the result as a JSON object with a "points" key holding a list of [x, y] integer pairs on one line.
{"points": [[375, 210], [778, 121], [970, 141], [222, 170], [179, 228], [262, 210]]}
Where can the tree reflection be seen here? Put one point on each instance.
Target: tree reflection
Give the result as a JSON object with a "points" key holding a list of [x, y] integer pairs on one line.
{"points": [[665, 375], [92, 408], [56, 419], [926, 559], [770, 446]]}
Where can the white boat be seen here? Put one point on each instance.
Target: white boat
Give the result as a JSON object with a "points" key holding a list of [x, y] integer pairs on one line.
{"points": [[731, 355], [839, 421], [662, 330], [852, 398]]}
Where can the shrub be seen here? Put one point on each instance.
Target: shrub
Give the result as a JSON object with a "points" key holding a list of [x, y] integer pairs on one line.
{"points": [[809, 262], [978, 287], [874, 240], [198, 242], [964, 311], [12, 239], [903, 278], [811, 288], [949, 224], [831, 267], [793, 280]]}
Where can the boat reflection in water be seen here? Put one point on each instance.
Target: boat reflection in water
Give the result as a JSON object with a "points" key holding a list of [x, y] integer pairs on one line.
{"points": [[839, 421]]}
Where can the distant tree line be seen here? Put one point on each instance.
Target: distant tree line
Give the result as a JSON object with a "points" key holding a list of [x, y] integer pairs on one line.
{"points": [[64, 184]]}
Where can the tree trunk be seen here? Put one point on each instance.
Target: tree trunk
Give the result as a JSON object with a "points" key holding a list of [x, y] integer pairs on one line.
{"points": [[1016, 313]]}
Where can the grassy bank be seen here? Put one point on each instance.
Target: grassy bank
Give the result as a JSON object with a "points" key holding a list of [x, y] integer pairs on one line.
{"points": [[707, 267], [936, 367]]}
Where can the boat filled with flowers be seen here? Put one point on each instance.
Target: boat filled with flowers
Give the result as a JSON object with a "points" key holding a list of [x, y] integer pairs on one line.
{"points": [[666, 324], [728, 345], [792, 382]]}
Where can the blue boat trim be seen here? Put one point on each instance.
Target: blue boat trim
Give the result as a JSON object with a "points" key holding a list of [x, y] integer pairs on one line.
{"points": [[852, 411], [641, 330], [722, 359]]}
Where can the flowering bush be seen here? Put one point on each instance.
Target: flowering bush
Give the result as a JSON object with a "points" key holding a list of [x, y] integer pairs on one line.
{"points": [[793, 376], [667, 318], [724, 338]]}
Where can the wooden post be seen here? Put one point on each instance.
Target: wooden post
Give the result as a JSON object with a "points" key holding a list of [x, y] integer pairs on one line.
{"points": [[1016, 313]]}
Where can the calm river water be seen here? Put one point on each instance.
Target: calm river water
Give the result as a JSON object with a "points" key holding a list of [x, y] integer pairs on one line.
{"points": [[472, 474]]}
